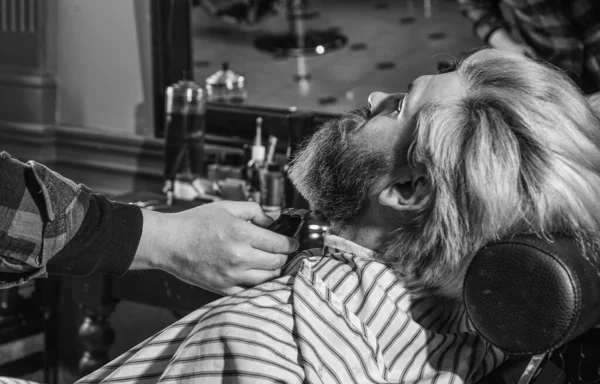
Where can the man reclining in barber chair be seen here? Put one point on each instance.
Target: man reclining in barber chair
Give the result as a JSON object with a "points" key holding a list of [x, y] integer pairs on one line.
{"points": [[413, 187]]}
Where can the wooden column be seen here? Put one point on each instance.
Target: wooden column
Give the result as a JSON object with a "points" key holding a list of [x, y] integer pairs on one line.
{"points": [[27, 86]]}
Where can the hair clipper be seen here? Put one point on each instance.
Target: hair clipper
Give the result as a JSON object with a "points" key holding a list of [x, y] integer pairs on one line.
{"points": [[290, 222]]}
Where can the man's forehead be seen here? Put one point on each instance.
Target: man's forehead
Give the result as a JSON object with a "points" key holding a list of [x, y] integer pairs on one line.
{"points": [[425, 90], [434, 89]]}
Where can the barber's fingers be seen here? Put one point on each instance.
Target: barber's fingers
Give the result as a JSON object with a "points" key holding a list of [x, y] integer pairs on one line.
{"points": [[257, 259], [271, 242], [249, 212], [232, 290], [253, 277]]}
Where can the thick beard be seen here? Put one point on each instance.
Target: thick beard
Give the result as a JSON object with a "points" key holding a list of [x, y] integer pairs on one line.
{"points": [[334, 173]]}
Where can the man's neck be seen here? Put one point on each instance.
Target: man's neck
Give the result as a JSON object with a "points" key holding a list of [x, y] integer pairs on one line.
{"points": [[370, 229], [370, 237]]}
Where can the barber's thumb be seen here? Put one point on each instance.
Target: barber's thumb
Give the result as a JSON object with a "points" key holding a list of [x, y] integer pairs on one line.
{"points": [[282, 245], [250, 212]]}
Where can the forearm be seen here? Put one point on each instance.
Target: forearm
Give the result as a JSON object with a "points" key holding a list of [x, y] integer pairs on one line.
{"points": [[485, 15], [106, 241], [50, 224]]}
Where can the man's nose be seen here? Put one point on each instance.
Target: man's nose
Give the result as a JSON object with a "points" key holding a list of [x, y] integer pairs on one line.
{"points": [[375, 99]]}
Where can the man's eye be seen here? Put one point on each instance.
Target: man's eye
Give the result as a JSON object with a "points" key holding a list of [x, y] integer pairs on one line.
{"points": [[399, 103], [447, 66]]}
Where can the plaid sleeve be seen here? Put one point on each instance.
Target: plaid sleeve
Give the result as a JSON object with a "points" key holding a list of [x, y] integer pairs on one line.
{"points": [[485, 15], [40, 211], [50, 224]]}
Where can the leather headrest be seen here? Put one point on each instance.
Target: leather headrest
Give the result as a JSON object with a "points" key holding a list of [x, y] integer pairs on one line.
{"points": [[527, 295]]}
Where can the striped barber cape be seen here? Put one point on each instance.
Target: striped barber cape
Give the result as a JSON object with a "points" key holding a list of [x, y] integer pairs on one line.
{"points": [[340, 317]]}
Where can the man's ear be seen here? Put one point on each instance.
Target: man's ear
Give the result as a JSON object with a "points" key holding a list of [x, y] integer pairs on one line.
{"points": [[405, 193]]}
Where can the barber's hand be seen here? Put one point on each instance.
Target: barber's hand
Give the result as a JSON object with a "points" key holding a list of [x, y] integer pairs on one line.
{"points": [[523, 49], [214, 246], [501, 39]]}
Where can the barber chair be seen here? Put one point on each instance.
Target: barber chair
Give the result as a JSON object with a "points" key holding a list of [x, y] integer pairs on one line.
{"points": [[29, 325], [539, 301]]}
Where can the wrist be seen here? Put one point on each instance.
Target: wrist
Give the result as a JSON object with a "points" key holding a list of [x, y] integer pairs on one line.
{"points": [[151, 250]]}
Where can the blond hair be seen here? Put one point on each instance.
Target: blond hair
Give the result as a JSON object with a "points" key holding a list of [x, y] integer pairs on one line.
{"points": [[520, 153]]}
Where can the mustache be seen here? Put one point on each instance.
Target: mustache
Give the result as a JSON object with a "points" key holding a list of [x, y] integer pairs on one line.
{"points": [[351, 121], [362, 112]]}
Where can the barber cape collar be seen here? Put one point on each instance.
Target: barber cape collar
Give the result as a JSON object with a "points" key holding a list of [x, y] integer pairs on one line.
{"points": [[335, 244]]}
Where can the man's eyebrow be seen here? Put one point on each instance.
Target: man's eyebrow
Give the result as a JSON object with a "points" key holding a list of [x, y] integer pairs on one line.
{"points": [[408, 89]]}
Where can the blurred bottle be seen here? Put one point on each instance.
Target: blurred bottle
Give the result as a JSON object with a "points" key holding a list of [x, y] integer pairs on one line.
{"points": [[256, 164], [184, 133], [288, 189], [226, 86], [258, 151], [272, 181], [271, 150]]}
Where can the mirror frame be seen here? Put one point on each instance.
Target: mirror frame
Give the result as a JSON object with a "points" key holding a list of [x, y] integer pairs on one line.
{"points": [[171, 51]]}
